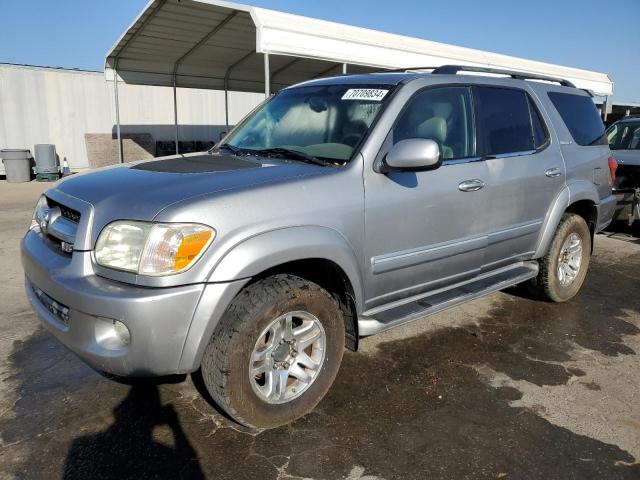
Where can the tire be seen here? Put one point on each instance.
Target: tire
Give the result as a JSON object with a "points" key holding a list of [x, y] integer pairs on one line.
{"points": [[549, 285], [229, 355]]}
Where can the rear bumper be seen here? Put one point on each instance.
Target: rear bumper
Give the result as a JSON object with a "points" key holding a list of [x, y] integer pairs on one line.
{"points": [[169, 327], [606, 209], [625, 201]]}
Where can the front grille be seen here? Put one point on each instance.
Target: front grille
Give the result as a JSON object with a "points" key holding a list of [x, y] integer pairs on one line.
{"points": [[68, 213], [59, 225]]}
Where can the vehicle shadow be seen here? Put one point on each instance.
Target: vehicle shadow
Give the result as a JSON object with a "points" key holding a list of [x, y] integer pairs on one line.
{"points": [[623, 231], [155, 446]]}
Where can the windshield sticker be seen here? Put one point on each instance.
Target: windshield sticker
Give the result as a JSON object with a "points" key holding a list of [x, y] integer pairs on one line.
{"points": [[374, 94]]}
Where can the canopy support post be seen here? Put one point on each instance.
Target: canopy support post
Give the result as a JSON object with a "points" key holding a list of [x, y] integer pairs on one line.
{"points": [[344, 68], [226, 102], [267, 79], [118, 135], [227, 75], [606, 107], [175, 112]]}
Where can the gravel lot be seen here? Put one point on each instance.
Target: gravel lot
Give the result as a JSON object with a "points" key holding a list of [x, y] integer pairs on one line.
{"points": [[501, 388]]}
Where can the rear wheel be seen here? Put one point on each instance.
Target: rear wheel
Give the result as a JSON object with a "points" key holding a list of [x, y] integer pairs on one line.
{"points": [[564, 267], [276, 351]]}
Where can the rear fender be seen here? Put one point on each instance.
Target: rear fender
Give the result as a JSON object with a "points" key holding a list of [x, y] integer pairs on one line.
{"points": [[573, 192]]}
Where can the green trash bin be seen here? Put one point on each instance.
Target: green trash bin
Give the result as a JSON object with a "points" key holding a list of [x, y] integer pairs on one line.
{"points": [[17, 165]]}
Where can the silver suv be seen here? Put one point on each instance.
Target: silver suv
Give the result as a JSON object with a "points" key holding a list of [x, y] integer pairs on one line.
{"points": [[339, 208]]}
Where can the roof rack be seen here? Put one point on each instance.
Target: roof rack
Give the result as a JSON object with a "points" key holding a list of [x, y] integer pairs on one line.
{"points": [[454, 69], [402, 70]]}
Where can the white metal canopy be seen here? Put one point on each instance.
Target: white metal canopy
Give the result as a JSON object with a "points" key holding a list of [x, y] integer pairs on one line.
{"points": [[215, 44], [203, 42]]}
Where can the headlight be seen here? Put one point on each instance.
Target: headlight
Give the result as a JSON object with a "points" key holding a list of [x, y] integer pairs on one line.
{"points": [[36, 218], [152, 248]]}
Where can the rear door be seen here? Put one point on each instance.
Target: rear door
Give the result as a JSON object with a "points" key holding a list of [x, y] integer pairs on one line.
{"points": [[525, 171], [582, 138]]}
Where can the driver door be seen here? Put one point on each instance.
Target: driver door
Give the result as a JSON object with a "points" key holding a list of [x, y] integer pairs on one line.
{"points": [[425, 229]]}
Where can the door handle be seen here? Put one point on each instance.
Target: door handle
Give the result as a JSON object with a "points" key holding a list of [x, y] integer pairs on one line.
{"points": [[553, 172], [471, 185]]}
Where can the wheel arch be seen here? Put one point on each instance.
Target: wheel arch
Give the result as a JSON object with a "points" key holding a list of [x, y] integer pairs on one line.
{"points": [[318, 254], [579, 197], [330, 276]]}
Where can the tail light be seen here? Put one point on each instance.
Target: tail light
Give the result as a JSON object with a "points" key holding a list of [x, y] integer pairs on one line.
{"points": [[613, 166]]}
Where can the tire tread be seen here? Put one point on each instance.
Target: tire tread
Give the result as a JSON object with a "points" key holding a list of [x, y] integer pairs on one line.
{"points": [[215, 368]]}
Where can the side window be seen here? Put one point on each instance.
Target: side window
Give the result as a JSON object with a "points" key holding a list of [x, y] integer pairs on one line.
{"points": [[505, 118], [581, 117], [444, 115]]}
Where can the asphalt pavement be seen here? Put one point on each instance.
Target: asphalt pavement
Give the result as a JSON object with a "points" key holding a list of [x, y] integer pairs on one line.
{"points": [[504, 387]]}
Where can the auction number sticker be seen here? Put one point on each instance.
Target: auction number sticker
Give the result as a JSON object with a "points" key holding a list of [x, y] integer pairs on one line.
{"points": [[374, 94]]}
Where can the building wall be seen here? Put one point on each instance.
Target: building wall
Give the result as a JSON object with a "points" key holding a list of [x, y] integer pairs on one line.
{"points": [[44, 105]]}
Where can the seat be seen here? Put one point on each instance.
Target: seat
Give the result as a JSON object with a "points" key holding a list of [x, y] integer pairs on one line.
{"points": [[435, 129]]}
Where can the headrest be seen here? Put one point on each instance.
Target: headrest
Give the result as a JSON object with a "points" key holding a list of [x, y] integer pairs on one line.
{"points": [[442, 109], [435, 129]]}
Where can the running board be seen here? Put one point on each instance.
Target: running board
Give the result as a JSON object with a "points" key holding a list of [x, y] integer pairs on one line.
{"points": [[383, 318]]}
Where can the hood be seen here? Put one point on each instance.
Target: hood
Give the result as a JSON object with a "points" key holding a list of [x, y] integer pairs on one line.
{"points": [[139, 191]]}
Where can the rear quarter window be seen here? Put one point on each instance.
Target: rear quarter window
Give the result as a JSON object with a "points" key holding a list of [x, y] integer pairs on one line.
{"points": [[581, 117]]}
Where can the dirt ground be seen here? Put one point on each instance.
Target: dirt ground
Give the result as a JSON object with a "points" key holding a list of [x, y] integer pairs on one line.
{"points": [[501, 388]]}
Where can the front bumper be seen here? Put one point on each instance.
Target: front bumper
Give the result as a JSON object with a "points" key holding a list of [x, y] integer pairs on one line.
{"points": [[169, 327]]}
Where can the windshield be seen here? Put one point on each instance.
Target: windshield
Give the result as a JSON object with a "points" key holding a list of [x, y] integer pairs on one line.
{"points": [[624, 136], [326, 122]]}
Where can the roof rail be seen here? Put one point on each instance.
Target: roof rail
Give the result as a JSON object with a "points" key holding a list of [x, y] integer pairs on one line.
{"points": [[454, 69], [405, 69]]}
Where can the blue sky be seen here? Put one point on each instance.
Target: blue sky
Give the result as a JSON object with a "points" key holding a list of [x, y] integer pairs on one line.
{"points": [[592, 34]]}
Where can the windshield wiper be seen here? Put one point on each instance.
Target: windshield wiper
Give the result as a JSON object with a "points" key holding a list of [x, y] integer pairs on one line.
{"points": [[235, 150], [293, 154]]}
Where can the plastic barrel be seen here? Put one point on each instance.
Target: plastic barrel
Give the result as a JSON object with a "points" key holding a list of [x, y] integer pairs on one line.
{"points": [[17, 165], [46, 160]]}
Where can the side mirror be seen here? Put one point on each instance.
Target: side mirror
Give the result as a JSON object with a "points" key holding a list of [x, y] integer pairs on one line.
{"points": [[413, 154]]}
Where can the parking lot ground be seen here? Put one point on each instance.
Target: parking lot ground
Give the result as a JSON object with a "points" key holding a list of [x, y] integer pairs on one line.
{"points": [[501, 388]]}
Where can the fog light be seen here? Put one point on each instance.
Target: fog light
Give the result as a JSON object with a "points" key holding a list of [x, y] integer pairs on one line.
{"points": [[112, 334], [122, 332]]}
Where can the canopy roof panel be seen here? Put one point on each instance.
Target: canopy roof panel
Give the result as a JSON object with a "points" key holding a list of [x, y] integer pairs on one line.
{"points": [[214, 43]]}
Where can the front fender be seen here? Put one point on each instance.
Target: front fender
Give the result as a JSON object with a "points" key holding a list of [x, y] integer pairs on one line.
{"points": [[571, 193], [276, 247]]}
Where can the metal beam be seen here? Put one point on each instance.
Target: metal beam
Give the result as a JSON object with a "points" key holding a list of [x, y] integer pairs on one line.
{"points": [[175, 113], [179, 61], [285, 67], [606, 107], [140, 28], [226, 106], [115, 73], [204, 40], [267, 76], [227, 74], [324, 72], [115, 92]]}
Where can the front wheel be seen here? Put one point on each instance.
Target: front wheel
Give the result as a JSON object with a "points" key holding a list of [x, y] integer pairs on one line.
{"points": [[276, 351], [564, 267]]}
